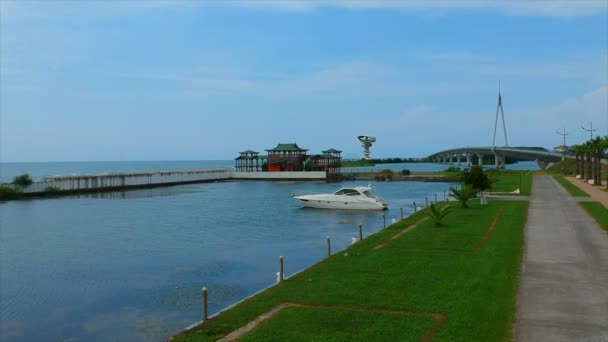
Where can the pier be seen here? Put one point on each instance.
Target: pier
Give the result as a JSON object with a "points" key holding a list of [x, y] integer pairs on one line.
{"points": [[140, 180]]}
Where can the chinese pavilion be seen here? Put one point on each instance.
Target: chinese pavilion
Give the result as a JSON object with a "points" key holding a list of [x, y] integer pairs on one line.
{"points": [[329, 161], [250, 161], [286, 157], [289, 157]]}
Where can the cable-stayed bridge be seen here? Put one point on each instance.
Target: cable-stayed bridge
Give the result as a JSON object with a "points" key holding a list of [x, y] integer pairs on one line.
{"points": [[540, 155]]}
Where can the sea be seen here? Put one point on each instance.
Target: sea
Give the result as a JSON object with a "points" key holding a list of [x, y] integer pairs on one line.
{"points": [[130, 265]]}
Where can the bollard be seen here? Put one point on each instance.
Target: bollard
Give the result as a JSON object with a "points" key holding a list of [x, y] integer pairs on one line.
{"points": [[281, 272], [328, 247], [435, 197], [384, 219], [427, 201], [415, 209], [401, 212], [360, 232], [204, 304]]}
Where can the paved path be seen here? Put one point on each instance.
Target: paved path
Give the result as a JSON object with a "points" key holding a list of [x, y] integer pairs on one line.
{"points": [[596, 192], [563, 292]]}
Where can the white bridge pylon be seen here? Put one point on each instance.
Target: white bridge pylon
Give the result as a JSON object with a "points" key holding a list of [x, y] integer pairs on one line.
{"points": [[500, 160]]}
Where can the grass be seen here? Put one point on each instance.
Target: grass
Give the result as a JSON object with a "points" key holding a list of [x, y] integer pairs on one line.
{"points": [[568, 167], [357, 163], [571, 188], [509, 181], [466, 270], [598, 212], [339, 324]]}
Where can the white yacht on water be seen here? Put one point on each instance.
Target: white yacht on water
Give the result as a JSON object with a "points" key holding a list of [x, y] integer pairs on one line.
{"points": [[357, 198]]}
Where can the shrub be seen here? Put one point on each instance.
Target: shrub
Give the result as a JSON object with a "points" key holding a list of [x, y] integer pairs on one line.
{"points": [[453, 169], [9, 193], [437, 213], [405, 172], [52, 190], [23, 180], [476, 178], [387, 174], [463, 195]]}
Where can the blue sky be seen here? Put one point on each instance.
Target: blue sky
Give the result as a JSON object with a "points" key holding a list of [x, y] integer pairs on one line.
{"points": [[172, 80]]}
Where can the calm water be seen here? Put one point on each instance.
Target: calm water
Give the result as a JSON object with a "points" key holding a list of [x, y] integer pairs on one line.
{"points": [[129, 266]]}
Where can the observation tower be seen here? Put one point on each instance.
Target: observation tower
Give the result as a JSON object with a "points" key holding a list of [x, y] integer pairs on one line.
{"points": [[366, 142]]}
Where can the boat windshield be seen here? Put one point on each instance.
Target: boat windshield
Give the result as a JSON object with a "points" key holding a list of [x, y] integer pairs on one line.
{"points": [[369, 194], [347, 192]]}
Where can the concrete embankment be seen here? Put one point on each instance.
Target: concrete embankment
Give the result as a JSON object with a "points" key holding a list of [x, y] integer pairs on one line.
{"points": [[112, 182]]}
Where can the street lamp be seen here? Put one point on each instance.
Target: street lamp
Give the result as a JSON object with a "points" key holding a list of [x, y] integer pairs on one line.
{"points": [[590, 130], [564, 145]]}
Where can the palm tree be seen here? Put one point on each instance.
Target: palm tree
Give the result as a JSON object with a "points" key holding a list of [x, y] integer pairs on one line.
{"points": [[437, 213], [596, 150], [465, 193], [587, 148], [577, 150], [603, 151]]}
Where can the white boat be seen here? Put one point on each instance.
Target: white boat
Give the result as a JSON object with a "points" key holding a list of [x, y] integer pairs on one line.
{"points": [[357, 198]]}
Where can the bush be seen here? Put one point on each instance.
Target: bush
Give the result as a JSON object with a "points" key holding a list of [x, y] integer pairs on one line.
{"points": [[463, 194], [52, 190], [9, 193], [437, 212], [387, 174], [476, 178], [23, 180], [453, 169], [405, 172]]}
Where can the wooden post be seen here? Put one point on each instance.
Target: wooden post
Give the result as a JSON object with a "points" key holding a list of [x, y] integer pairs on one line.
{"points": [[384, 219], [281, 270], [204, 304], [328, 247], [360, 232], [427, 201], [435, 197], [401, 212], [414, 204], [444, 197]]}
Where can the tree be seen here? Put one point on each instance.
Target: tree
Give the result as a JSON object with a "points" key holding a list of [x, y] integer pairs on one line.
{"points": [[476, 178], [437, 213], [596, 152], [23, 180], [463, 195], [577, 151], [586, 149]]}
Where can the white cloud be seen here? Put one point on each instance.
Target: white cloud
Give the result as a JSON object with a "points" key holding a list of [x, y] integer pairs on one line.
{"points": [[355, 78], [571, 114], [550, 8], [12, 9], [416, 112]]}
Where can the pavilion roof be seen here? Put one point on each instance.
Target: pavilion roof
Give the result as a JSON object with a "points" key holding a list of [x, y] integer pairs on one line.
{"points": [[287, 147], [332, 150]]}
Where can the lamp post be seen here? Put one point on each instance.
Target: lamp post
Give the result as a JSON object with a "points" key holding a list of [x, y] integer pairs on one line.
{"points": [[564, 145], [590, 130]]}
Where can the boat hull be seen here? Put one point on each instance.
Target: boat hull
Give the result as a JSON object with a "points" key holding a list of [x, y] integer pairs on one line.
{"points": [[348, 205]]}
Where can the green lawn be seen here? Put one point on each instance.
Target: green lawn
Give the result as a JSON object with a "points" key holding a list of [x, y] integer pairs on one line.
{"points": [[571, 188], [598, 211], [339, 324], [508, 181], [465, 271]]}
